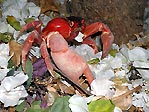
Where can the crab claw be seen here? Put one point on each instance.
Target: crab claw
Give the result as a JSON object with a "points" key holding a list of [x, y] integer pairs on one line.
{"points": [[107, 39], [67, 60], [106, 36]]}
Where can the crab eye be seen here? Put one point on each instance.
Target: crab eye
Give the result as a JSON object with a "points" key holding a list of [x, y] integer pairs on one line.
{"points": [[82, 22], [71, 23]]}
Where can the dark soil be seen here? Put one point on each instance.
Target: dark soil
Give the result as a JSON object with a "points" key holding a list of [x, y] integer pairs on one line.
{"points": [[124, 17]]}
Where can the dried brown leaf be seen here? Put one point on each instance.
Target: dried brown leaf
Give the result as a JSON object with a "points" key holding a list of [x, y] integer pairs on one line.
{"points": [[66, 89], [130, 46], [15, 50], [125, 102], [11, 109], [51, 96], [47, 5], [123, 98], [141, 41], [135, 109]]}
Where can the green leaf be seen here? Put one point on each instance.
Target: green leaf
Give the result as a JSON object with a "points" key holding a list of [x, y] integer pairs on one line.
{"points": [[94, 61], [29, 71], [21, 107], [5, 37], [10, 63], [61, 105], [11, 72], [13, 22], [27, 20], [35, 107], [1, 1], [113, 52], [101, 106], [16, 25], [0, 12]]}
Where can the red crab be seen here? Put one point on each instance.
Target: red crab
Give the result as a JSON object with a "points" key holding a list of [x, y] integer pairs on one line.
{"points": [[68, 28]]}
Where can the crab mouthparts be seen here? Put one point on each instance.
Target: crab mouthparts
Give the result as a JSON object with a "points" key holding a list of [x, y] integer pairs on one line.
{"points": [[49, 37]]}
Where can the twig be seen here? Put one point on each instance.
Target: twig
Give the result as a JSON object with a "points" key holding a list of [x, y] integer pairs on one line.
{"points": [[142, 68], [127, 93]]}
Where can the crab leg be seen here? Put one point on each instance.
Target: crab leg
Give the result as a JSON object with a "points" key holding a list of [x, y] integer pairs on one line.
{"points": [[106, 36], [36, 25], [88, 74], [90, 42], [27, 46], [45, 55]]}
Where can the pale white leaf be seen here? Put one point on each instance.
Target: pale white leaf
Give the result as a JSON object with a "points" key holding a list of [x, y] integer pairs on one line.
{"points": [[11, 98], [79, 37], [13, 81], [79, 104]]}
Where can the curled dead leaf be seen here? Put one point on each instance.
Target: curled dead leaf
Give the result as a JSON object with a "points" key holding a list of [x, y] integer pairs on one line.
{"points": [[48, 5], [15, 51], [123, 97], [66, 89], [11, 109], [125, 102], [51, 96]]}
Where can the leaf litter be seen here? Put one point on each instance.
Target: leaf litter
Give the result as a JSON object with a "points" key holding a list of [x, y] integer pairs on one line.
{"points": [[121, 79]]}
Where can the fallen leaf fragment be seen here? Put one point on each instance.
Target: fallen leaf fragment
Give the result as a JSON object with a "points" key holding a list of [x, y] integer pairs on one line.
{"points": [[66, 89], [101, 105], [78, 103], [61, 105], [125, 102], [13, 22], [48, 5], [5, 37], [124, 98], [15, 50]]}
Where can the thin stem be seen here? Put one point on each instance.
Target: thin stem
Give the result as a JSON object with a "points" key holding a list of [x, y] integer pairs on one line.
{"points": [[127, 93]]}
